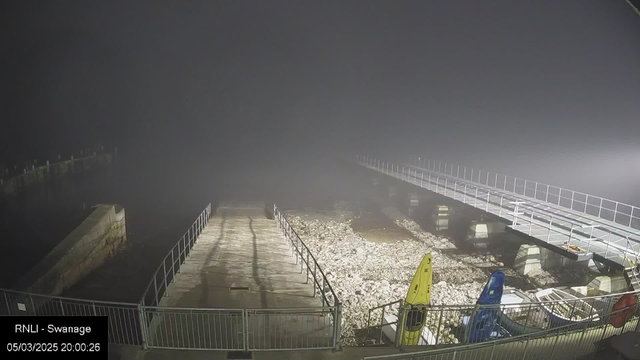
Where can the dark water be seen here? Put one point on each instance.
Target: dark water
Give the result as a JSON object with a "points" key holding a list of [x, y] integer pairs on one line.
{"points": [[35, 221], [161, 200]]}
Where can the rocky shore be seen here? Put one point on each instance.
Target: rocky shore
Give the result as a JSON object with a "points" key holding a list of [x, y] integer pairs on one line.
{"points": [[365, 274]]}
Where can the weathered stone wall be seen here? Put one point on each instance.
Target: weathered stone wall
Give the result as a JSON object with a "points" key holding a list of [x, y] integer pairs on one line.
{"points": [[96, 239]]}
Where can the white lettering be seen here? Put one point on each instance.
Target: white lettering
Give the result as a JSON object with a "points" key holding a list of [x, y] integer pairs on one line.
{"points": [[80, 330]]}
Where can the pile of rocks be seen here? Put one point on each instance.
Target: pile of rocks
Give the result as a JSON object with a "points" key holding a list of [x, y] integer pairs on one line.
{"points": [[367, 274]]}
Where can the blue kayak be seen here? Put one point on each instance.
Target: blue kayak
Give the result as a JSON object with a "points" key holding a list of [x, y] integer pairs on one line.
{"points": [[484, 322]]}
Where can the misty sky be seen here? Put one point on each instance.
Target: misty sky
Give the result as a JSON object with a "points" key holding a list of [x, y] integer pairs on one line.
{"points": [[547, 89]]}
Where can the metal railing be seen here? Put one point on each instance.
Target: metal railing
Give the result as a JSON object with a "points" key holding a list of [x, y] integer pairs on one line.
{"points": [[610, 210], [124, 318], [240, 329], [307, 261], [450, 324], [314, 272], [152, 325], [614, 244], [565, 342], [170, 265], [377, 330]]}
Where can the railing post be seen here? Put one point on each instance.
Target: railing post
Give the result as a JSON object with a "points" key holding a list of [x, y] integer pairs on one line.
{"points": [[381, 324], [475, 199], [164, 273], [62, 306], [531, 222], [143, 327], [173, 262], [155, 287], [399, 340], [337, 319], [560, 196], [307, 279], [439, 323], [570, 236], [245, 329], [546, 198], [471, 319], [323, 292], [464, 197], [315, 267]]}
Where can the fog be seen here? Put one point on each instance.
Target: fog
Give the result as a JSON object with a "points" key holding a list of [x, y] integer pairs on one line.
{"points": [[223, 99]]}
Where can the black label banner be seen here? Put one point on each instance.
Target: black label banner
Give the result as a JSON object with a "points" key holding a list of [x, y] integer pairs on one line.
{"points": [[72, 337]]}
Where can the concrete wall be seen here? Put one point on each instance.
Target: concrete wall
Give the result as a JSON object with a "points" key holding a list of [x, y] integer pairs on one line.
{"points": [[11, 183], [100, 236]]}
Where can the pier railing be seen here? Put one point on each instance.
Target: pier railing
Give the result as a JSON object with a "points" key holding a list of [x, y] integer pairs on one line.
{"points": [[452, 324], [124, 318], [565, 342], [611, 210], [574, 232], [309, 264], [152, 325], [170, 265]]}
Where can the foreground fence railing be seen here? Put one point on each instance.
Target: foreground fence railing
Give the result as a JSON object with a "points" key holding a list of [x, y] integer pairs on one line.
{"points": [[314, 273], [453, 324], [574, 234], [565, 342], [151, 325], [124, 318], [170, 265]]}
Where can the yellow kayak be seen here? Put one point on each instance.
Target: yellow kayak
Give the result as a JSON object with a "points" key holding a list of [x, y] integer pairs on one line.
{"points": [[419, 294]]}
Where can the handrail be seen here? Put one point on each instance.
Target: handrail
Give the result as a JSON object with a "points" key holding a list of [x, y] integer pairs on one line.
{"points": [[133, 324], [559, 206], [292, 235], [568, 225], [24, 293], [192, 234], [289, 231], [529, 186], [578, 325], [561, 221]]}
